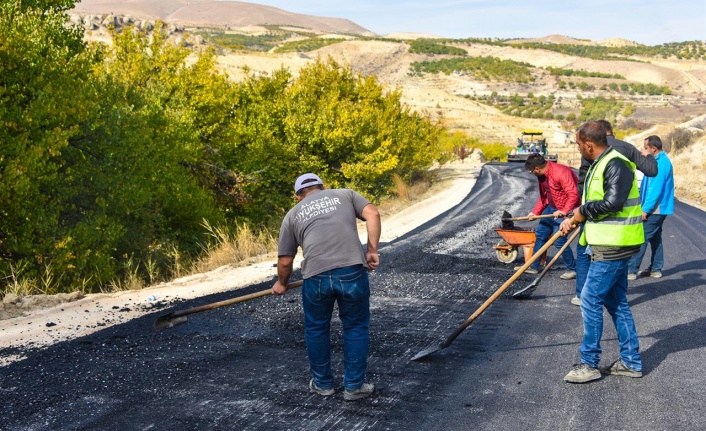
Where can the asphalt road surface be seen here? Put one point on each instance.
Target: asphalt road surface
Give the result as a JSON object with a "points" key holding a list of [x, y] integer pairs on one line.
{"points": [[244, 367]]}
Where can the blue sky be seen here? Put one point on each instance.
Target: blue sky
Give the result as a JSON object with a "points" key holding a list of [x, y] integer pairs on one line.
{"points": [[649, 22]]}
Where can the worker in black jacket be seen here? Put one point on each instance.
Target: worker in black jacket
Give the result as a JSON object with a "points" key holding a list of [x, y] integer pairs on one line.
{"points": [[645, 164], [612, 217]]}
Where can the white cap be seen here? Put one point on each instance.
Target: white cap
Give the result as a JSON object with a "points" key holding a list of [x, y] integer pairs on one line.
{"points": [[307, 180]]}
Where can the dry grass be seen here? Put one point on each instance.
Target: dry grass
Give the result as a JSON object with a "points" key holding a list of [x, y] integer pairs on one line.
{"points": [[46, 283], [690, 173], [234, 247], [403, 196]]}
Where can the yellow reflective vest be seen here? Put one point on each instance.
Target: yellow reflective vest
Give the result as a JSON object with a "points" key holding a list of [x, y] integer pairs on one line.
{"points": [[622, 228]]}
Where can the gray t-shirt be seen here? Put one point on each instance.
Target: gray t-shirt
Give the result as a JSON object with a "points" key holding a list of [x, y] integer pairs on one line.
{"points": [[324, 225]]}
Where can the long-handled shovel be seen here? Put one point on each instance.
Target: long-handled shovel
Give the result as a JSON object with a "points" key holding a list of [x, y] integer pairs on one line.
{"points": [[527, 217], [507, 219], [435, 348], [178, 317], [527, 291]]}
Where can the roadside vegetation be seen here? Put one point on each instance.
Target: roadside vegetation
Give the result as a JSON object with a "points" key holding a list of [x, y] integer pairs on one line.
{"points": [[126, 164], [458, 146]]}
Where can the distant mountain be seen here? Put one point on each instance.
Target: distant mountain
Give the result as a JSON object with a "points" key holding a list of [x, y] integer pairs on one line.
{"points": [[216, 13]]}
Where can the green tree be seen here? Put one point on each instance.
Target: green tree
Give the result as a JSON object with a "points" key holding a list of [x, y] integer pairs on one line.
{"points": [[43, 99]]}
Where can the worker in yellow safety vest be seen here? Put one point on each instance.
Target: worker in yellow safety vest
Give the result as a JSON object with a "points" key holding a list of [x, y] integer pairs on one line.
{"points": [[612, 216]]}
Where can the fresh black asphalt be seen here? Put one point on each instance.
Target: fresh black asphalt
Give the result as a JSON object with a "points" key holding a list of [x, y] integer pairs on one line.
{"points": [[244, 367]]}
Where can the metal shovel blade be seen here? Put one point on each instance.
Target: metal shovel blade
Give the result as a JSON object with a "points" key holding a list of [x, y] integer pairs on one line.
{"points": [[526, 293], [168, 321], [428, 351]]}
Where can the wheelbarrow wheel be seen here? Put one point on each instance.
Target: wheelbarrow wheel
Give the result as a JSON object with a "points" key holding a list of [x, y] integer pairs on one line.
{"points": [[504, 254]]}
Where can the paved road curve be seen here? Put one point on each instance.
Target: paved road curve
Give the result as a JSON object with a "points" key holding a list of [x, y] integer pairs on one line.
{"points": [[244, 367]]}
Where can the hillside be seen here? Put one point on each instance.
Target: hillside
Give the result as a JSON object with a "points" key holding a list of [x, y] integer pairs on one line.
{"points": [[462, 100], [208, 13]]}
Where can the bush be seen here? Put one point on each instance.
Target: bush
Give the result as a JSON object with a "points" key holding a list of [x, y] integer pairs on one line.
{"points": [[634, 123], [427, 46], [481, 67], [496, 152], [680, 139]]}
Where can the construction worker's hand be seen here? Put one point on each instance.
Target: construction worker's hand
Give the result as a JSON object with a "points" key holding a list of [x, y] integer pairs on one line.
{"points": [[571, 222], [279, 288], [373, 259], [531, 216], [567, 226]]}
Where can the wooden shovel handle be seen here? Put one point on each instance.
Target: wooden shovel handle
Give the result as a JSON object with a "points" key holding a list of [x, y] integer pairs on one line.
{"points": [[501, 289], [230, 301], [527, 217], [558, 253]]}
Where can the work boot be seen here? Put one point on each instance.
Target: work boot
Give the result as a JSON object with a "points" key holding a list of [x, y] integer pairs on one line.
{"points": [[582, 373], [618, 368], [321, 391], [529, 270], [568, 275], [359, 393], [576, 300]]}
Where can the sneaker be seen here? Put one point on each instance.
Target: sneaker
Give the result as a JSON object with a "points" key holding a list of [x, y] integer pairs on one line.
{"points": [[655, 274], [568, 275], [576, 300], [632, 276], [645, 273], [359, 393], [618, 368], [529, 270], [321, 391], [582, 373]]}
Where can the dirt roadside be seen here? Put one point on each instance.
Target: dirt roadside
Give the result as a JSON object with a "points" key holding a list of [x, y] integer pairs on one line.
{"points": [[46, 320]]}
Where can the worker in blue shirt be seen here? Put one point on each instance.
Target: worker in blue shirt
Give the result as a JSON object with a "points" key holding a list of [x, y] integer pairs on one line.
{"points": [[657, 197]]}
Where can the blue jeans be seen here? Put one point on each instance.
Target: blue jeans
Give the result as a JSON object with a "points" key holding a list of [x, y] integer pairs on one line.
{"points": [[583, 262], [544, 230], [349, 287], [607, 285], [653, 236]]}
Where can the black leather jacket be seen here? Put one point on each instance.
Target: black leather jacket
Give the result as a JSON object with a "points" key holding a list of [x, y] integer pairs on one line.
{"points": [[617, 183], [646, 165]]}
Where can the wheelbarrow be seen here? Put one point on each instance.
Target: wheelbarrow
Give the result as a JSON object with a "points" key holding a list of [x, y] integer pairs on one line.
{"points": [[514, 237], [507, 249]]}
